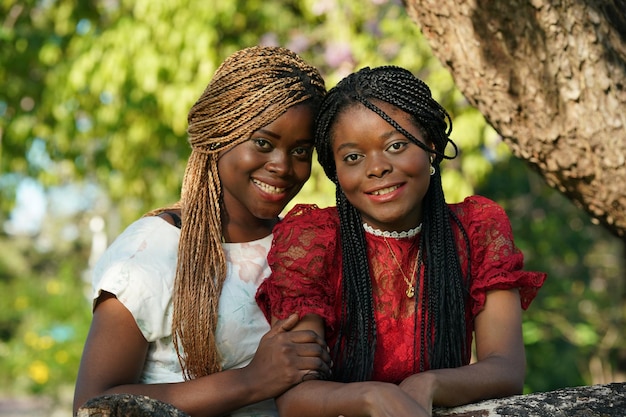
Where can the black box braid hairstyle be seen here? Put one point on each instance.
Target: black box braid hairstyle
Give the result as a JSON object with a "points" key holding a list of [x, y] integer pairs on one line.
{"points": [[445, 294]]}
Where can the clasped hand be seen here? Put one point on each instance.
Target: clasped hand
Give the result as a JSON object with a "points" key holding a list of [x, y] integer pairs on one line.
{"points": [[285, 358]]}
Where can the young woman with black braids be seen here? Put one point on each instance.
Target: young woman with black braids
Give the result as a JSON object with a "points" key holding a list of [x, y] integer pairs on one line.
{"points": [[398, 281], [174, 311]]}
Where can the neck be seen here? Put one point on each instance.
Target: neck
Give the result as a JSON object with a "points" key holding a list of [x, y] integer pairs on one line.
{"points": [[234, 232]]}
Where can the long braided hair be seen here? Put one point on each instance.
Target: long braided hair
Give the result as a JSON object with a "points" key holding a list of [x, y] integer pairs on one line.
{"points": [[250, 89], [443, 342]]}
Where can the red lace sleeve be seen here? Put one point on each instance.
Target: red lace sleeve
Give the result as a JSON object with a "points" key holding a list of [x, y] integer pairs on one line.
{"points": [[300, 260], [496, 263]]}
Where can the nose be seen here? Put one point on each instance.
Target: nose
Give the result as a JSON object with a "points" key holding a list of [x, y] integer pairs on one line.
{"points": [[378, 166], [278, 163]]}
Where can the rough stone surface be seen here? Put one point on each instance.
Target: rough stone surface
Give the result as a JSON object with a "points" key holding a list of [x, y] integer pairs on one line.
{"points": [[127, 405], [587, 401]]}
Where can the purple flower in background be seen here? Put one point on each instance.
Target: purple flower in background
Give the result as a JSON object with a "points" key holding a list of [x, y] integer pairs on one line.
{"points": [[337, 54], [269, 39], [298, 43], [323, 6]]}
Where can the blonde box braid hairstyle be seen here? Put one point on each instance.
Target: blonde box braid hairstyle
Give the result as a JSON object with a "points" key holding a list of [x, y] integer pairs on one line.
{"points": [[250, 89], [444, 295]]}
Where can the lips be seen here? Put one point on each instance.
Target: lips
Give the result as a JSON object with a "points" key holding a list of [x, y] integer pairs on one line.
{"points": [[270, 189]]}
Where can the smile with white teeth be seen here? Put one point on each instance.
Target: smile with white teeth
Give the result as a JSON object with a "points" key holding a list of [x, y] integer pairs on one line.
{"points": [[270, 189], [384, 191]]}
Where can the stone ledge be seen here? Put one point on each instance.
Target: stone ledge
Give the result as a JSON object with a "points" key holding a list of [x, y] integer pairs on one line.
{"points": [[586, 401], [127, 405]]}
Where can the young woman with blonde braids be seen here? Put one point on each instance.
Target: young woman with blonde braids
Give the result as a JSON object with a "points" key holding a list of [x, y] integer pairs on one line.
{"points": [[398, 281], [174, 311]]}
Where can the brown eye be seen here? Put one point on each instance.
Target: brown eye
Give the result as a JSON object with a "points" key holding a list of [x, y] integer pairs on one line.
{"points": [[351, 157], [397, 146], [302, 152], [262, 143]]}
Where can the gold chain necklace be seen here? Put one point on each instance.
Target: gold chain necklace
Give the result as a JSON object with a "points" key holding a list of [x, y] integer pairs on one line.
{"points": [[410, 290]]}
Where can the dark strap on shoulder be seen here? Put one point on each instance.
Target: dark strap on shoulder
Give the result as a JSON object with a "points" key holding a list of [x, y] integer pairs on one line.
{"points": [[175, 217], [177, 222]]}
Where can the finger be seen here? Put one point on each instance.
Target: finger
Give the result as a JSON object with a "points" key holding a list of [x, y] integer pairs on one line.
{"points": [[307, 336], [312, 350], [316, 368], [285, 325], [310, 375]]}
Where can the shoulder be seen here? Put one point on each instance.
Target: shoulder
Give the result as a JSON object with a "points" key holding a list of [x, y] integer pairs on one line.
{"points": [[479, 209], [172, 217], [311, 216], [306, 226], [311, 210], [147, 248], [155, 233], [476, 204], [139, 268]]}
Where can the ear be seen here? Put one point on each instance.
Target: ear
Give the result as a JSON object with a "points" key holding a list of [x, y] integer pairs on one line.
{"points": [[433, 155]]}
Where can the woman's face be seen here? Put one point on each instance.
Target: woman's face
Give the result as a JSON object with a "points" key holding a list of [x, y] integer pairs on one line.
{"points": [[382, 173], [261, 175]]}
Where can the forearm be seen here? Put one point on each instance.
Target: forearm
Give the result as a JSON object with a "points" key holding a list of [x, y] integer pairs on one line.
{"points": [[501, 362], [318, 399], [213, 395], [332, 399], [116, 350], [490, 378]]}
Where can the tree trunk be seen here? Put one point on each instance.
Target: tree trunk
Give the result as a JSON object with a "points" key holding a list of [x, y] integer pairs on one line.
{"points": [[550, 77]]}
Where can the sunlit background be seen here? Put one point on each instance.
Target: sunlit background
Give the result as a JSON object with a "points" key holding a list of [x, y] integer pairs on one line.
{"points": [[93, 104]]}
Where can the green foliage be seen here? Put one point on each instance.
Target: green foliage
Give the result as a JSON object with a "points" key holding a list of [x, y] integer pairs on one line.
{"points": [[108, 85], [573, 330], [43, 320]]}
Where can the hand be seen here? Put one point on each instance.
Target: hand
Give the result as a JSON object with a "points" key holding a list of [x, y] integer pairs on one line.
{"points": [[285, 358], [420, 387]]}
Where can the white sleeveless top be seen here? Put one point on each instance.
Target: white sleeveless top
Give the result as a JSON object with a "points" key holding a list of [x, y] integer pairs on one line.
{"points": [[139, 269]]}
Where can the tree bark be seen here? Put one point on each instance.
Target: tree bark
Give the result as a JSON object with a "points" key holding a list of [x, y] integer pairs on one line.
{"points": [[550, 77]]}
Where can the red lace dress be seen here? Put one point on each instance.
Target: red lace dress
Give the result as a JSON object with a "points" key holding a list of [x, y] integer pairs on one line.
{"points": [[306, 276]]}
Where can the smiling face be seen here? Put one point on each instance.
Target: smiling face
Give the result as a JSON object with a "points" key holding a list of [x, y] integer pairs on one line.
{"points": [[382, 173], [261, 175]]}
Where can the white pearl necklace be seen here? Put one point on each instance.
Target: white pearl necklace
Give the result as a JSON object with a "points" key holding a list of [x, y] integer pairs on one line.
{"points": [[396, 235]]}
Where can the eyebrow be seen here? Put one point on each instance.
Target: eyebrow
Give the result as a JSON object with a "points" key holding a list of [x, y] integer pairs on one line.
{"points": [[277, 137], [384, 136], [269, 133]]}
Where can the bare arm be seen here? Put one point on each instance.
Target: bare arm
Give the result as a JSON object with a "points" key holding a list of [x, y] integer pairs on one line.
{"points": [[501, 362], [318, 398], [116, 350]]}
